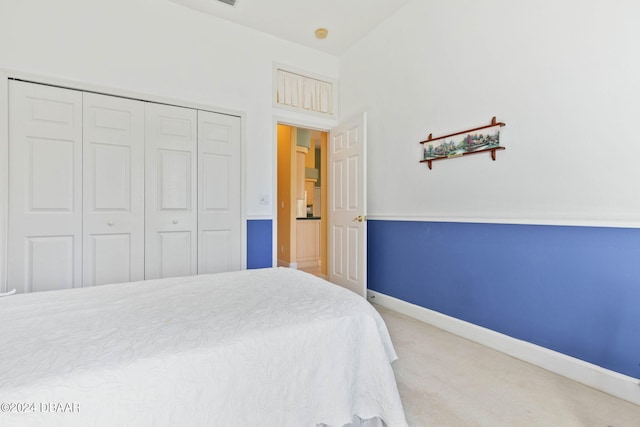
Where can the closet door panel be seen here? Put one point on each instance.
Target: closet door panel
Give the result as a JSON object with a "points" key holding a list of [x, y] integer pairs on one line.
{"points": [[45, 188], [51, 174], [174, 180], [113, 195], [110, 170], [216, 250], [174, 252], [219, 215], [110, 259], [50, 263], [171, 184]]}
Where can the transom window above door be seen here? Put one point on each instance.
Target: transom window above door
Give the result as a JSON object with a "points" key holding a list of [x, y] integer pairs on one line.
{"points": [[301, 91]]}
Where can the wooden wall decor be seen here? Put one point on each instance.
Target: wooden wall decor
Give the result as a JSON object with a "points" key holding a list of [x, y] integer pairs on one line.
{"points": [[471, 141]]}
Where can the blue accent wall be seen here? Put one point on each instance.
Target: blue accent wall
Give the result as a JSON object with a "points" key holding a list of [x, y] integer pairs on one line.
{"points": [[575, 290], [259, 244]]}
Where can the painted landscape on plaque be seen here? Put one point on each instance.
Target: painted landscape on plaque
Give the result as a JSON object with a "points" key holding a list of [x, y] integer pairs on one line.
{"points": [[457, 145]]}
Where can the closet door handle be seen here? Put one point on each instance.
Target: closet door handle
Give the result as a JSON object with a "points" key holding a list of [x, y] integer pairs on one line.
{"points": [[175, 221], [110, 223]]}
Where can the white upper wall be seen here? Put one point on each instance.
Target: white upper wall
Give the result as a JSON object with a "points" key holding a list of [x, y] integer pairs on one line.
{"points": [[562, 74], [159, 48]]}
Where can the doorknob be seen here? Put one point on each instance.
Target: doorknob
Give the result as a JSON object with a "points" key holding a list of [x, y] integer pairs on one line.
{"points": [[175, 221], [360, 218], [110, 223]]}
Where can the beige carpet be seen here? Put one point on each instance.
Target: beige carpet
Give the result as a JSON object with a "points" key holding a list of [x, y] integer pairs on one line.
{"points": [[448, 381]]}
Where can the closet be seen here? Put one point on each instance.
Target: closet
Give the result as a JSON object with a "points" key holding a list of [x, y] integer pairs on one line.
{"points": [[105, 189]]}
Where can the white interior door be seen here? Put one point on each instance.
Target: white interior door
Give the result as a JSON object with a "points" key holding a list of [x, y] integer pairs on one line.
{"points": [[347, 165], [219, 216], [113, 189], [45, 188], [170, 191]]}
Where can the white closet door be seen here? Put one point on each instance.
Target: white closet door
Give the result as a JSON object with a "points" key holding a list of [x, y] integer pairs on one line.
{"points": [[45, 188], [219, 222], [170, 183], [113, 192]]}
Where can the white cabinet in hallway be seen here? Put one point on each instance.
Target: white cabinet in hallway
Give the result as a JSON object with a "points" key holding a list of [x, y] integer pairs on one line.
{"points": [[104, 189]]}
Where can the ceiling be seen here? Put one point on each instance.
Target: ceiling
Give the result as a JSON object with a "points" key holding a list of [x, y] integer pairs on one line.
{"points": [[296, 20]]}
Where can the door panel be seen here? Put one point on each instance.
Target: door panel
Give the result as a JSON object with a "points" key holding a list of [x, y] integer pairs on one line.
{"points": [[171, 211], [217, 170], [353, 183], [337, 246], [106, 252], [216, 256], [337, 185], [110, 169], [113, 191], [353, 238], [51, 174], [174, 251], [175, 180], [219, 215], [45, 188], [347, 205], [50, 263]]}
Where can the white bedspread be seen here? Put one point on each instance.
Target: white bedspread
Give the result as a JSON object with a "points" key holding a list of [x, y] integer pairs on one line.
{"points": [[273, 347]]}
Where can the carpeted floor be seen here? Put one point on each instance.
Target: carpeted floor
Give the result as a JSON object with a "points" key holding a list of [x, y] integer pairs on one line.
{"points": [[448, 381]]}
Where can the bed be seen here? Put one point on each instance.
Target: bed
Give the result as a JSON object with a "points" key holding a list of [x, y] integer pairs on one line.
{"points": [[269, 347]]}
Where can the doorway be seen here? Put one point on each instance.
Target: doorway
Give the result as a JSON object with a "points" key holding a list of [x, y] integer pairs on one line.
{"points": [[302, 199]]}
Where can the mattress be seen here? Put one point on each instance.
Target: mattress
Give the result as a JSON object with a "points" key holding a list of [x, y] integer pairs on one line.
{"points": [[269, 347]]}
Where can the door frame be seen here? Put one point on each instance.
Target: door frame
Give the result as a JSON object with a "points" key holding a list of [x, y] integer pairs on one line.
{"points": [[8, 74], [4, 176], [322, 125]]}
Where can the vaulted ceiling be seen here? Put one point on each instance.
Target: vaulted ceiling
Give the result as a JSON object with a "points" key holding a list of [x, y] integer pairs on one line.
{"points": [[347, 21]]}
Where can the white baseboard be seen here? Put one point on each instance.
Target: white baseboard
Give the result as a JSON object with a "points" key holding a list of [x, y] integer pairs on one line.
{"points": [[282, 263], [619, 385]]}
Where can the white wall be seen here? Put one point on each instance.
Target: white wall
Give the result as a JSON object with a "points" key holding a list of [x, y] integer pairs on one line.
{"points": [[157, 47], [562, 74]]}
